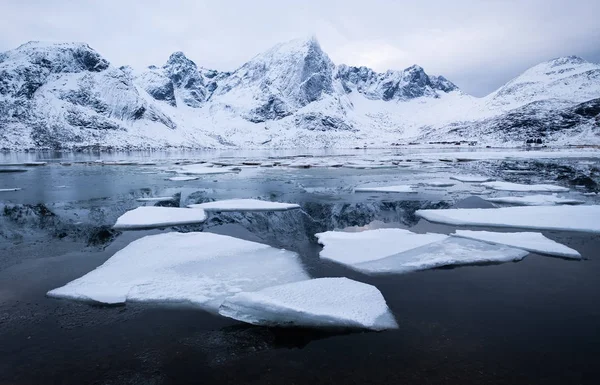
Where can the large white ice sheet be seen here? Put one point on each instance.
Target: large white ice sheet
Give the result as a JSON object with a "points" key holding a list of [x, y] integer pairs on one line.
{"points": [[244, 205], [155, 217], [387, 189], [352, 248], [535, 200], [507, 186], [534, 242], [449, 252], [321, 303], [197, 268], [574, 218]]}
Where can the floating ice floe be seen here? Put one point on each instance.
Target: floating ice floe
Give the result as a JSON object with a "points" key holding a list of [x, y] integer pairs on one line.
{"points": [[535, 200], [10, 189], [507, 186], [203, 169], [244, 205], [435, 250], [471, 178], [357, 247], [183, 178], [196, 268], [569, 218], [150, 217], [155, 199], [368, 166], [387, 189], [533, 242], [317, 303]]}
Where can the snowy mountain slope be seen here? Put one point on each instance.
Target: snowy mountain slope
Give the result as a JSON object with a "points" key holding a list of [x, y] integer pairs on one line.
{"points": [[68, 96]]}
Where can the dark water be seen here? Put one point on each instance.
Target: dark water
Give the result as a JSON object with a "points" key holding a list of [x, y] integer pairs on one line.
{"points": [[532, 322]]}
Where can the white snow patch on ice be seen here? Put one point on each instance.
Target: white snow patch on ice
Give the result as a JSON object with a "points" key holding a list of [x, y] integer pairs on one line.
{"points": [[244, 205], [535, 200], [352, 248], [569, 218], [507, 186], [317, 303], [198, 268], [533, 242], [152, 217]]}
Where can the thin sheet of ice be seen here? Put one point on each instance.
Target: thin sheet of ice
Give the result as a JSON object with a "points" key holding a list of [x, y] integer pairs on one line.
{"points": [[448, 252], [317, 303], [507, 186], [533, 242], [352, 248], [244, 205], [387, 189], [202, 169], [155, 199], [183, 178], [149, 217], [441, 183], [10, 189], [471, 178], [535, 200], [197, 268], [569, 218]]}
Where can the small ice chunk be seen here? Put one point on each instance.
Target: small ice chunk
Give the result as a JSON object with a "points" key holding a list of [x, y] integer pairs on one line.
{"points": [[196, 268], [388, 189], [352, 248], [448, 252], [533, 242], [569, 218], [507, 186], [535, 200], [471, 178], [435, 183], [317, 303], [155, 199], [156, 217], [10, 189], [244, 205], [183, 178]]}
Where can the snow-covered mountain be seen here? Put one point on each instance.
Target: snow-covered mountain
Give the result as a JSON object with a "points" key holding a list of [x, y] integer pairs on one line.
{"points": [[293, 95]]}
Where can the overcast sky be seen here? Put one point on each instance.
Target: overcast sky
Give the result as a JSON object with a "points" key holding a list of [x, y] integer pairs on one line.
{"points": [[477, 44]]}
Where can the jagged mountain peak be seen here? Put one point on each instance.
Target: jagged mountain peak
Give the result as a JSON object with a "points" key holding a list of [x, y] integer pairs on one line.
{"points": [[566, 60]]}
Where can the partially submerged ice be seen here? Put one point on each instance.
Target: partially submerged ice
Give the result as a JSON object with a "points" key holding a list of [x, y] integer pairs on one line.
{"points": [[150, 217], [415, 252], [356, 247], [533, 242], [507, 186], [568, 218], [244, 205], [202, 169], [323, 303], [201, 269], [471, 178], [386, 189], [535, 200]]}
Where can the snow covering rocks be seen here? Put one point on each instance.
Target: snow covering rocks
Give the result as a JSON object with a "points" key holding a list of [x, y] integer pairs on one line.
{"points": [[507, 186], [244, 205], [354, 248], [323, 303], [387, 189], [533, 242], [535, 200], [471, 178], [568, 218], [149, 217], [201, 269]]}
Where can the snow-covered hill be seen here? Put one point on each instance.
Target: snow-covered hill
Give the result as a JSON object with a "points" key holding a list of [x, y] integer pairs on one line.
{"points": [[293, 95]]}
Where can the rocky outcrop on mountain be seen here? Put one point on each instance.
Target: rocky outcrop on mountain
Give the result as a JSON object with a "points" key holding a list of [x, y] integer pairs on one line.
{"points": [[408, 84]]}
